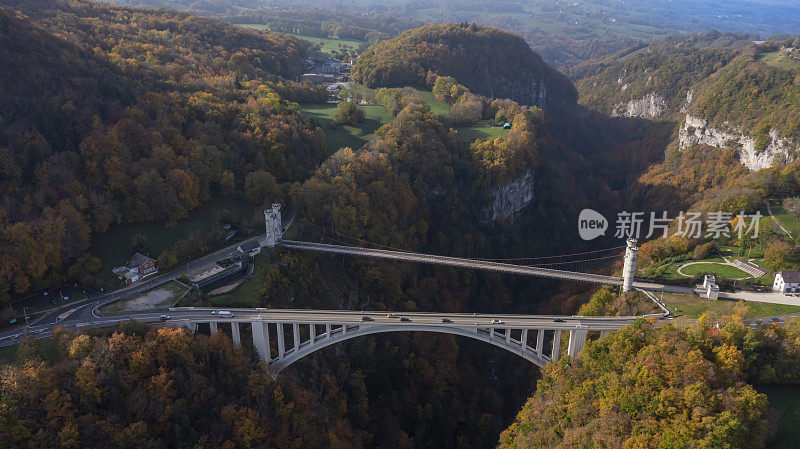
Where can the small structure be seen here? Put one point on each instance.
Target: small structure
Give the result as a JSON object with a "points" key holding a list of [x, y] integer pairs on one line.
{"points": [[787, 282], [272, 221], [506, 125], [138, 268], [711, 287], [749, 267], [251, 248]]}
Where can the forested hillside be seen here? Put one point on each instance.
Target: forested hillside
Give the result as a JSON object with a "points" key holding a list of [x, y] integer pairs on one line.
{"points": [[653, 80], [116, 115], [661, 386], [488, 61]]}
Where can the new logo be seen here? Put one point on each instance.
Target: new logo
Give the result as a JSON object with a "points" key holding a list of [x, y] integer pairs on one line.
{"points": [[591, 224]]}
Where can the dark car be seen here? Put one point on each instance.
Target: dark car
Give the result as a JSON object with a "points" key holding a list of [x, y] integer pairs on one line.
{"points": [[446, 320], [558, 320], [366, 318], [405, 319], [164, 318]]}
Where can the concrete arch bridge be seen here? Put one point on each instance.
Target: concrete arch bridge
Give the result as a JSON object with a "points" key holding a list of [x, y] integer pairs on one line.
{"points": [[282, 337]]}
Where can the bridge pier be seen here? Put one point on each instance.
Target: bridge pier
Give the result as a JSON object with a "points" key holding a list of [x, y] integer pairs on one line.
{"points": [[629, 265], [237, 337], [191, 326], [281, 342], [539, 342], [523, 339], [261, 339], [556, 345], [577, 338], [296, 335], [213, 326]]}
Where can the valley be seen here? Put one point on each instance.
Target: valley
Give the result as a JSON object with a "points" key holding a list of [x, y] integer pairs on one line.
{"points": [[432, 164]]}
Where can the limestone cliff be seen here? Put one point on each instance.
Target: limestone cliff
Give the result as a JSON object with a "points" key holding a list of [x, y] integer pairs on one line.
{"points": [[510, 198], [696, 131], [649, 106]]}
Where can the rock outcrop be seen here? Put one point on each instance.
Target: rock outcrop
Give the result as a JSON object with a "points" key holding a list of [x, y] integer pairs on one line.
{"points": [[510, 198], [779, 151], [650, 106]]}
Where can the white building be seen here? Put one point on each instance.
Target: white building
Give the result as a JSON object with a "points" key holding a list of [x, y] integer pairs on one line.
{"points": [[787, 282]]}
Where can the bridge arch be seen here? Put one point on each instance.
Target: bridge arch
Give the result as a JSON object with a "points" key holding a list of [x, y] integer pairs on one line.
{"points": [[487, 335]]}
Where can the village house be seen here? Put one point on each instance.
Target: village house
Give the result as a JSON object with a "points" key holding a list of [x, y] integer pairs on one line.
{"points": [[787, 282], [139, 267]]}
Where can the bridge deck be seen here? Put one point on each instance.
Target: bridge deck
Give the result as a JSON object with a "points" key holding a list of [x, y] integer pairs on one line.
{"points": [[476, 264]]}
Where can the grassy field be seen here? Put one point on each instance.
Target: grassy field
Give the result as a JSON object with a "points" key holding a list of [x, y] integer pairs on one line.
{"points": [[693, 307], [725, 271], [780, 60], [161, 297], [789, 220], [785, 401], [326, 43], [346, 136], [480, 131], [248, 292], [113, 246]]}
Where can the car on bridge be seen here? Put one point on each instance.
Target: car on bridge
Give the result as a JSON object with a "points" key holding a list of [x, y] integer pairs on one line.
{"points": [[391, 315], [496, 321], [225, 314], [405, 319], [164, 318], [366, 318], [446, 320], [558, 320]]}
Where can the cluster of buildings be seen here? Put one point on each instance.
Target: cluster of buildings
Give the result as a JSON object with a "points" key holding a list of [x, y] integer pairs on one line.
{"points": [[326, 71]]}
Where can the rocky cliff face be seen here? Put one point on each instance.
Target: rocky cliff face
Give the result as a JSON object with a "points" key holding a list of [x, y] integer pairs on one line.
{"points": [[510, 198], [779, 151], [649, 106]]}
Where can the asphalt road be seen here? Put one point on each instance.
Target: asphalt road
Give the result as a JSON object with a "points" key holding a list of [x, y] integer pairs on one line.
{"points": [[79, 319], [82, 314]]}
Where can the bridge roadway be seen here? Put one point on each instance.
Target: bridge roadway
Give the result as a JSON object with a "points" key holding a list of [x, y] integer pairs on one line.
{"points": [[478, 264], [284, 336]]}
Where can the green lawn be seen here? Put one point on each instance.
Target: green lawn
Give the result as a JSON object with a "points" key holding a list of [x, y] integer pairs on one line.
{"points": [[113, 246], [789, 220], [346, 136], [480, 131], [247, 293], [780, 60], [326, 43], [692, 307], [725, 271], [785, 401]]}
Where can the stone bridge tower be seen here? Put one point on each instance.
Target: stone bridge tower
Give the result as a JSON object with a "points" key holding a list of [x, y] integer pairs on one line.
{"points": [[629, 265], [272, 219]]}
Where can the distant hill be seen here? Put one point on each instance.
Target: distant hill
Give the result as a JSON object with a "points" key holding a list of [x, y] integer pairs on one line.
{"points": [[488, 61], [653, 80]]}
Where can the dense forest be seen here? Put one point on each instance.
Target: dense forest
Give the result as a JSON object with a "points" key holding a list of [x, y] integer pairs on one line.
{"points": [[129, 116], [488, 61]]}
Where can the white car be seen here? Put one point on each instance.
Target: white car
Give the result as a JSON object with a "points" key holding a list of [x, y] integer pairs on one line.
{"points": [[496, 321], [225, 314]]}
